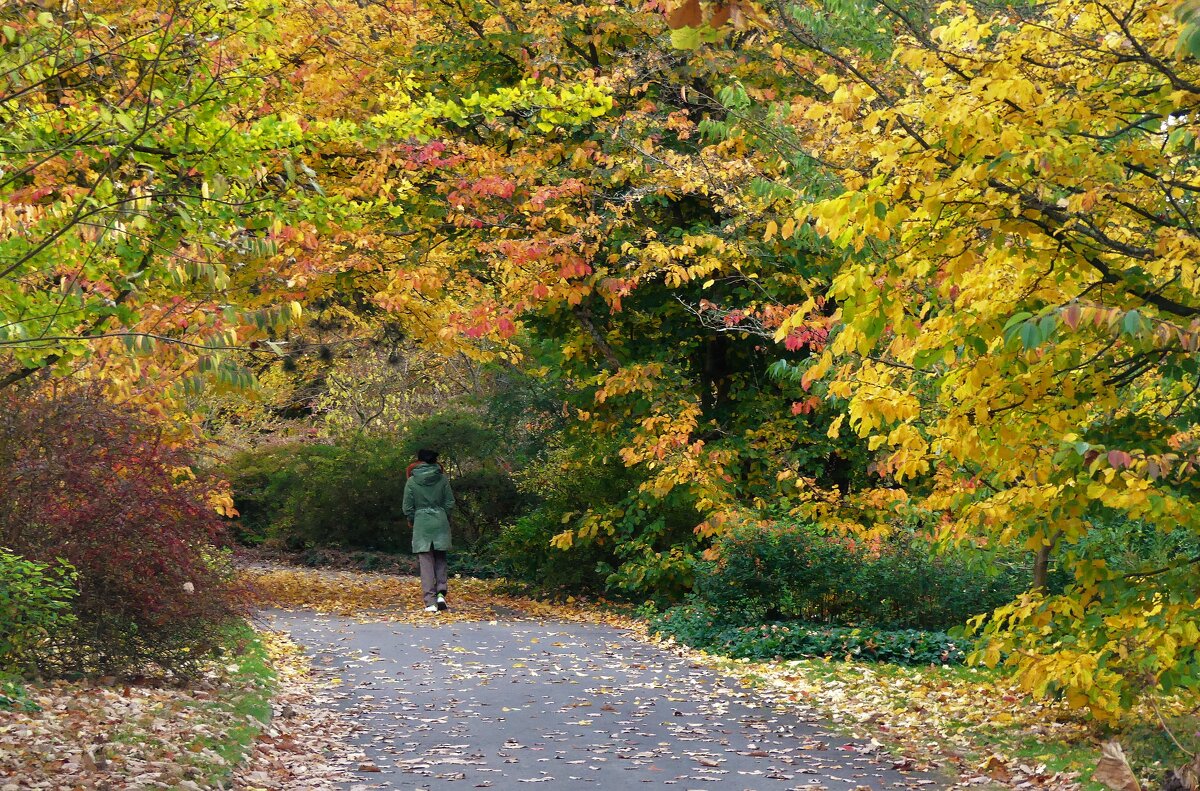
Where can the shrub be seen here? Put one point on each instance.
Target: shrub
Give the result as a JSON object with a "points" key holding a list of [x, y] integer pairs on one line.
{"points": [[698, 627], [461, 438], [349, 494], [787, 572], [486, 499], [35, 608], [262, 481], [523, 552], [615, 534], [96, 485], [801, 572]]}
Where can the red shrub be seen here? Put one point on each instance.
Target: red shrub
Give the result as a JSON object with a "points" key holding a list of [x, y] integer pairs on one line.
{"points": [[95, 484]]}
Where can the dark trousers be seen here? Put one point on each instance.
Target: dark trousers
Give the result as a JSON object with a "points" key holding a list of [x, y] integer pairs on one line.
{"points": [[433, 574]]}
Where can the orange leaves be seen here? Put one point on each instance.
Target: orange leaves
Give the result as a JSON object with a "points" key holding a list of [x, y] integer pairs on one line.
{"points": [[574, 267], [395, 598], [686, 14], [692, 13]]}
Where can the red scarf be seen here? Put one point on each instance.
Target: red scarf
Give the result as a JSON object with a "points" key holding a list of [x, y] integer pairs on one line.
{"points": [[415, 464]]}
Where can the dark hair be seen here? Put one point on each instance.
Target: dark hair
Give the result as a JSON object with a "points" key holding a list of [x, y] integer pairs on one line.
{"points": [[426, 455]]}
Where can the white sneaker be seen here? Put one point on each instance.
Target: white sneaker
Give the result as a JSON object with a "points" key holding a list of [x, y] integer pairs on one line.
{"points": [[431, 608]]}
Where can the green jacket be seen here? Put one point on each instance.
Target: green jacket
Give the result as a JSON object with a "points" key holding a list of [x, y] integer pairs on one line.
{"points": [[427, 504]]}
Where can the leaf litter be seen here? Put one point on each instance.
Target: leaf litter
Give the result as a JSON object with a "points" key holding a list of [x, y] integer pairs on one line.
{"points": [[504, 690], [324, 731]]}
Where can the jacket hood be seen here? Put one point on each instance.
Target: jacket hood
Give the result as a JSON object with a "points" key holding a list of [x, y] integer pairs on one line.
{"points": [[427, 474]]}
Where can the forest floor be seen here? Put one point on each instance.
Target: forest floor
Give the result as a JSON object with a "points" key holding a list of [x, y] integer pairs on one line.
{"points": [[348, 684]]}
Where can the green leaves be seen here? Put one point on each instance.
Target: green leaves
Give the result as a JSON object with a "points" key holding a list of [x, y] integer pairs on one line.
{"points": [[686, 38], [35, 604], [1188, 14], [1032, 331], [697, 627]]}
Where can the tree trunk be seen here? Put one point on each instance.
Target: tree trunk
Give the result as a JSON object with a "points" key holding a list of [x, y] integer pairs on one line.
{"points": [[1041, 568], [1041, 563]]}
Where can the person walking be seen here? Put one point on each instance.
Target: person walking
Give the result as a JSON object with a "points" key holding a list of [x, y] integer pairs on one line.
{"points": [[428, 502]]}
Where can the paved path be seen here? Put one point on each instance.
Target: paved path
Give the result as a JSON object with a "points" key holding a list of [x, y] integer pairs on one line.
{"points": [[503, 704]]}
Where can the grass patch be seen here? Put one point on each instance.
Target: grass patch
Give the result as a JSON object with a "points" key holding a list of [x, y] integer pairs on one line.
{"points": [[243, 710], [13, 696]]}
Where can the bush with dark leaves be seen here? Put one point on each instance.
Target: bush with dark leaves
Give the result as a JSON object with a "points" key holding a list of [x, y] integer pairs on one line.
{"points": [[98, 486]]}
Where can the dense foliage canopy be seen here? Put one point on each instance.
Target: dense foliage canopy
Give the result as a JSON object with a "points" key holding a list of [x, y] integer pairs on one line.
{"points": [[880, 266]]}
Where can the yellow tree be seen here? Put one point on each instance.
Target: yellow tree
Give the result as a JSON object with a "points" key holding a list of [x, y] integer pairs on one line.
{"points": [[1019, 314]]}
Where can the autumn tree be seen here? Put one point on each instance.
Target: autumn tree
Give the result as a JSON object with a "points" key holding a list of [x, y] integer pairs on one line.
{"points": [[145, 170], [559, 189], [1017, 314]]}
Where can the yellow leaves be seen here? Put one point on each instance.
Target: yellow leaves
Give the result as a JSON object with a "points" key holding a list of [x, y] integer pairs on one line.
{"points": [[786, 232], [828, 82], [395, 598], [630, 379]]}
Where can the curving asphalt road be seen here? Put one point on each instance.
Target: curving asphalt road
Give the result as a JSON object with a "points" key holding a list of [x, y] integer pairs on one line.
{"points": [[504, 704]]}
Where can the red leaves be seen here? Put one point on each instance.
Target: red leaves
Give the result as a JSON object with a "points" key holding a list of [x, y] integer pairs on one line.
{"points": [[1071, 315], [806, 406], [487, 320], [94, 484], [813, 337], [574, 267], [1117, 459]]}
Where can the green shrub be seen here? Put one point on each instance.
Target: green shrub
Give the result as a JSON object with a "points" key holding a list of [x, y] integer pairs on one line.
{"points": [[910, 584], [801, 572], [461, 438], [788, 572], [627, 542], [699, 627], [349, 494], [485, 500], [523, 553], [471, 449], [35, 607], [262, 480]]}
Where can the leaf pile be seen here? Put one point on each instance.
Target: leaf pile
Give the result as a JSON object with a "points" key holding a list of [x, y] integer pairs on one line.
{"points": [[109, 734], [303, 747], [398, 598]]}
